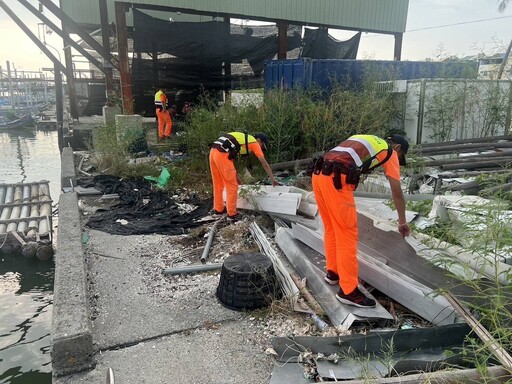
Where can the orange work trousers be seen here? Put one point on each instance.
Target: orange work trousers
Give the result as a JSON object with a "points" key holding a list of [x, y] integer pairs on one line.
{"points": [[164, 123], [337, 209], [223, 176]]}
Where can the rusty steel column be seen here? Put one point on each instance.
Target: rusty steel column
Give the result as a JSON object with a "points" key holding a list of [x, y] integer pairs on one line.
{"points": [[105, 39], [282, 29], [59, 105], [397, 55], [124, 67]]}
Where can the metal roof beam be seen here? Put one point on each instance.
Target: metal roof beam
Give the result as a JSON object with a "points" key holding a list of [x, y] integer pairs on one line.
{"points": [[243, 16], [33, 37], [75, 28], [59, 32]]}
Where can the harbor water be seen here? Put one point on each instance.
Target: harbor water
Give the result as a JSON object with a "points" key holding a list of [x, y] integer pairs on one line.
{"points": [[26, 285]]}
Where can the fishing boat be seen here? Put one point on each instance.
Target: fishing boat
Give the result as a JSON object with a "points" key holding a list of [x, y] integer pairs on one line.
{"points": [[24, 121]]}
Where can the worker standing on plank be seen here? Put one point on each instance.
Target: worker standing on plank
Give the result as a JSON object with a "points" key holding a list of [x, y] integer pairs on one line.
{"points": [[222, 153], [163, 115], [335, 177]]}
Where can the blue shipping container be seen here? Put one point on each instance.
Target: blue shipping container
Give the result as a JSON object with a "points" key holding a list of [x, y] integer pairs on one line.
{"points": [[302, 73]]}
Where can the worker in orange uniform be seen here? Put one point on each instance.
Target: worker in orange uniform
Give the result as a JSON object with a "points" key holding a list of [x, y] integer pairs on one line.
{"points": [[335, 177], [223, 151], [163, 115]]}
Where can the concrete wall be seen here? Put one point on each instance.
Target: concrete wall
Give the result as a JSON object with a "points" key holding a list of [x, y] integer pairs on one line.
{"points": [[72, 344], [67, 166]]}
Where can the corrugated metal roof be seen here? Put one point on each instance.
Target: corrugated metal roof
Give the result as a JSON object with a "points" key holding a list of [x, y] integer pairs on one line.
{"points": [[388, 16]]}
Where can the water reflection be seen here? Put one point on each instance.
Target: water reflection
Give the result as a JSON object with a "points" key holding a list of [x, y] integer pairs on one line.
{"points": [[26, 285], [26, 301]]}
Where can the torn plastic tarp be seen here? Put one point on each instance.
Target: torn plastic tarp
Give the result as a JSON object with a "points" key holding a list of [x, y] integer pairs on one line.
{"points": [[209, 42], [143, 210], [162, 180], [318, 44]]}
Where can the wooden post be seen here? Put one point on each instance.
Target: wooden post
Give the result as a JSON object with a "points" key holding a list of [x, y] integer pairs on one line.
{"points": [[105, 39], [124, 68], [282, 29]]}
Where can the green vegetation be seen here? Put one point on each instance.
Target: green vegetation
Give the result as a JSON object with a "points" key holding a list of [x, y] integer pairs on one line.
{"points": [[303, 123]]}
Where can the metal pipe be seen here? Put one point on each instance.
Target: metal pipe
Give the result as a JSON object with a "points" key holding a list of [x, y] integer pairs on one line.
{"points": [[462, 148], [477, 165], [206, 249], [468, 159], [192, 269], [75, 28], [419, 197], [464, 141]]}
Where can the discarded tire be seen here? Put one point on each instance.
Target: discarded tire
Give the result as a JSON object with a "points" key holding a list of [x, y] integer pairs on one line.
{"points": [[247, 281]]}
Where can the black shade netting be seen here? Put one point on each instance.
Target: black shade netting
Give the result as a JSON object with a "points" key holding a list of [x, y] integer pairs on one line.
{"points": [[142, 209], [318, 44], [205, 42], [188, 58]]}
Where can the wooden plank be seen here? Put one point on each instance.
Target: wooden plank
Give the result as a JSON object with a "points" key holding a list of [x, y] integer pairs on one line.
{"points": [[484, 335]]}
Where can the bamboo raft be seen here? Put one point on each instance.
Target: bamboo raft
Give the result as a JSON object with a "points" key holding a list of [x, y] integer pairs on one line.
{"points": [[26, 219]]}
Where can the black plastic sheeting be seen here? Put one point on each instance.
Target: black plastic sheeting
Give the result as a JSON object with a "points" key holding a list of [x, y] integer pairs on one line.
{"points": [[145, 208], [318, 44], [204, 42]]}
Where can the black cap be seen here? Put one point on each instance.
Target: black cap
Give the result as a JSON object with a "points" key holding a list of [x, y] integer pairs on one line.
{"points": [[263, 138], [404, 145]]}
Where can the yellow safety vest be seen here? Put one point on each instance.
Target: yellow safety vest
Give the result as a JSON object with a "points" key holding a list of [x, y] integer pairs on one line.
{"points": [[360, 151], [158, 99], [240, 137]]}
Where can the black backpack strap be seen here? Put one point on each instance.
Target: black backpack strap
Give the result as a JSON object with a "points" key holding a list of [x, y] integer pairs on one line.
{"points": [[388, 156], [249, 162]]}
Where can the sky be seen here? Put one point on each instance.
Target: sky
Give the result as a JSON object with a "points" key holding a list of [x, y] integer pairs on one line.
{"points": [[435, 29]]}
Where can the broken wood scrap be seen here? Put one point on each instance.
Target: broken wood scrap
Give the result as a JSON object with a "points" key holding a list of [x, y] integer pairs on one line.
{"points": [[288, 281], [301, 285], [499, 352]]}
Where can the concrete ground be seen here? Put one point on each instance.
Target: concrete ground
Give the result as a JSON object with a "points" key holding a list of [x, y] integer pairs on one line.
{"points": [[147, 327], [144, 338]]}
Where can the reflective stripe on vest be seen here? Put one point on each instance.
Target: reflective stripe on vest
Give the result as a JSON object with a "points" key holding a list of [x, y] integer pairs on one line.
{"points": [[227, 143], [361, 150]]}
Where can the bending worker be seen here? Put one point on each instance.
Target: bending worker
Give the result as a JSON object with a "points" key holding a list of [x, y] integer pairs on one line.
{"points": [[223, 151], [163, 115], [335, 177]]}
